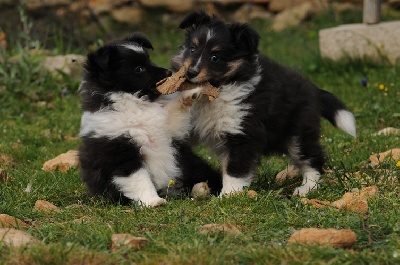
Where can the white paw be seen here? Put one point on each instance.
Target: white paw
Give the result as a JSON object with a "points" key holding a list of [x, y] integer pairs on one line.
{"points": [[304, 189], [227, 191], [154, 202], [189, 96], [233, 184]]}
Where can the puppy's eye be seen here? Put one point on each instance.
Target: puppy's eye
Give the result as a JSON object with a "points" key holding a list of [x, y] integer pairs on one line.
{"points": [[139, 69], [214, 58], [192, 49]]}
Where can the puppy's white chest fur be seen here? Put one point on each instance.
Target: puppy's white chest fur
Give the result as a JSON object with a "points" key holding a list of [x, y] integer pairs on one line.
{"points": [[145, 123], [213, 120]]}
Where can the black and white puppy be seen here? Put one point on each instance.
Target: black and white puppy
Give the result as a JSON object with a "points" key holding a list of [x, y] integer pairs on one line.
{"points": [[133, 140], [263, 108]]}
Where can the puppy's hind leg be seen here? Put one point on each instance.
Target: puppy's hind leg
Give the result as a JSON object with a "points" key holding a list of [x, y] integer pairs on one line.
{"points": [[139, 187], [309, 158]]}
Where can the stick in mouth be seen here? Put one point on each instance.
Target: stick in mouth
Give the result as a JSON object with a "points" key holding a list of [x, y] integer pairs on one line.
{"points": [[178, 81]]}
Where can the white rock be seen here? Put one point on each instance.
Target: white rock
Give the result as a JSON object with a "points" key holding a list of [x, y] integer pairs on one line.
{"points": [[16, 238], [358, 41]]}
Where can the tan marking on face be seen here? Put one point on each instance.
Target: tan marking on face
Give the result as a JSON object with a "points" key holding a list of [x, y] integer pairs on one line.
{"points": [[196, 42], [202, 76], [215, 48], [187, 63], [233, 67]]}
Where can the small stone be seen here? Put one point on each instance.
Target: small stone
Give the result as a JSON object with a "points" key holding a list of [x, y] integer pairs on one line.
{"points": [[130, 15], [16, 238], [173, 5], [201, 191], [41, 205], [40, 4], [252, 194], [294, 15], [127, 240], [11, 221], [331, 237], [71, 64], [220, 228], [248, 12]]}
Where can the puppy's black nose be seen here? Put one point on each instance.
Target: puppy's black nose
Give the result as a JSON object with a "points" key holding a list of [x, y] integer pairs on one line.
{"points": [[191, 73]]}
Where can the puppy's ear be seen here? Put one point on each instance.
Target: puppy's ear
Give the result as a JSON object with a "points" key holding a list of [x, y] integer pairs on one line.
{"points": [[195, 19], [140, 39], [244, 37], [102, 58]]}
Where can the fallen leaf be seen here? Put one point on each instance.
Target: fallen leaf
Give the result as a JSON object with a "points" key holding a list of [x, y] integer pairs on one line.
{"points": [[7, 160], [127, 240], [220, 228], [355, 201], [250, 193], [63, 162], [4, 175], [316, 203], [16, 238], [391, 155], [317, 236], [41, 205], [11, 221], [289, 172], [3, 40], [388, 131]]}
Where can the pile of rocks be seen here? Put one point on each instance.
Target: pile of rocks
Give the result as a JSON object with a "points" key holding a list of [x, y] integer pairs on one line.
{"points": [[283, 12]]}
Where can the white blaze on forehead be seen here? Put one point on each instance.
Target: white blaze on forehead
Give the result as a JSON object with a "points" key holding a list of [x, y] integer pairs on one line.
{"points": [[135, 48], [197, 65], [209, 35]]}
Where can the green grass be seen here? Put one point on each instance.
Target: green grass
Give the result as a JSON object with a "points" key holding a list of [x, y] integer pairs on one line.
{"points": [[36, 123]]}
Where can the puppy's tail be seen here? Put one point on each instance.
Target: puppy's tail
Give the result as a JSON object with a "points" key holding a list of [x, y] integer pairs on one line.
{"points": [[336, 112]]}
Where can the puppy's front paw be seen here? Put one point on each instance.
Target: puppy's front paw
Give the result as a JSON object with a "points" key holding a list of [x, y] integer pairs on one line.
{"points": [[154, 202], [189, 96], [304, 189]]}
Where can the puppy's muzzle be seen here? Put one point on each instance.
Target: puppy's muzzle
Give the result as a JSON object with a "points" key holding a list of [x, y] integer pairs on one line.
{"points": [[191, 73]]}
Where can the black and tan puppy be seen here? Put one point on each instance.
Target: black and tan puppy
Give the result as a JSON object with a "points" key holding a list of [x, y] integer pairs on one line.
{"points": [[263, 108]]}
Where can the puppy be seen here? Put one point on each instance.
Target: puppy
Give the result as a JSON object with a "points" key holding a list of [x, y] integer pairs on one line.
{"points": [[133, 140], [263, 108]]}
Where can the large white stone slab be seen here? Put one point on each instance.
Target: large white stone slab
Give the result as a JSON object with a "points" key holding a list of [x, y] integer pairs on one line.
{"points": [[378, 42]]}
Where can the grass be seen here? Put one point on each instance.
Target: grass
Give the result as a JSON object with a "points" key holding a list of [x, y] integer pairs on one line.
{"points": [[38, 123]]}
